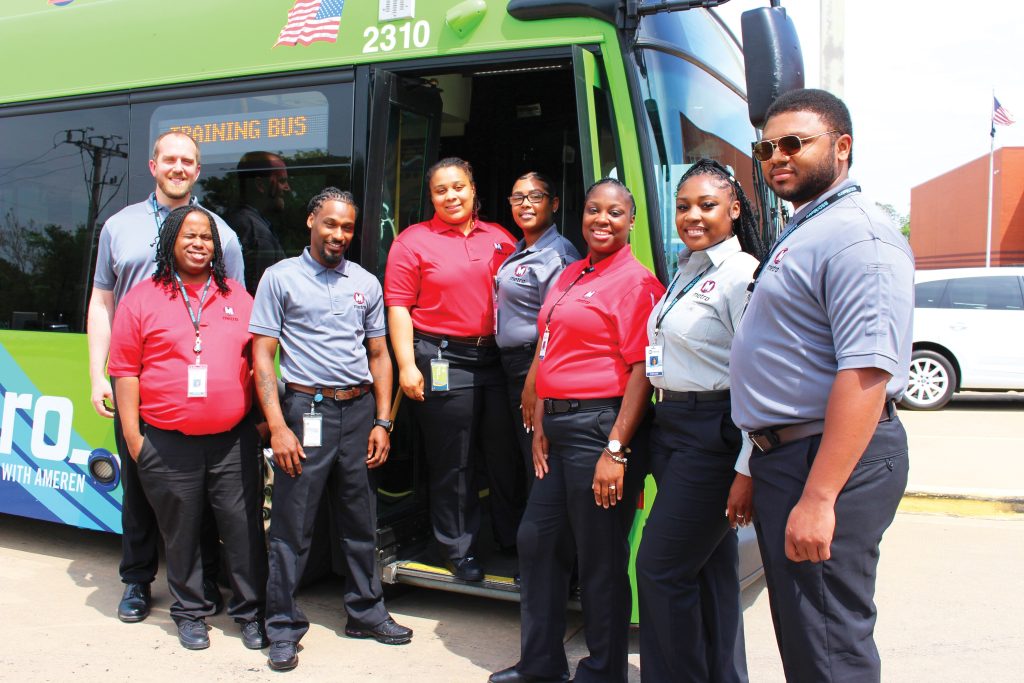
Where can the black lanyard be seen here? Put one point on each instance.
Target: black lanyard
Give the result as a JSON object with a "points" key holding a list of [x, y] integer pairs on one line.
{"points": [[829, 201], [667, 306], [551, 311], [195, 317]]}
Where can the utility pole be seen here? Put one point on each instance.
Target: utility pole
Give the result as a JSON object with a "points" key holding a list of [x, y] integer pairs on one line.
{"points": [[100, 148], [833, 50]]}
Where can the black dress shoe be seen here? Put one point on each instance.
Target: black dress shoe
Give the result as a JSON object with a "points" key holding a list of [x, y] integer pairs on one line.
{"points": [[192, 634], [134, 605], [211, 591], [387, 632], [510, 675], [467, 569], [254, 636], [283, 655]]}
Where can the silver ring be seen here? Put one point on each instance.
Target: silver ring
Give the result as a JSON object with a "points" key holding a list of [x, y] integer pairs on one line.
{"points": [[611, 487]]}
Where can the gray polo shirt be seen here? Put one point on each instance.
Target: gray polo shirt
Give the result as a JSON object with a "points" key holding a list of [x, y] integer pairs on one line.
{"points": [[522, 283], [321, 317], [838, 293], [126, 254]]}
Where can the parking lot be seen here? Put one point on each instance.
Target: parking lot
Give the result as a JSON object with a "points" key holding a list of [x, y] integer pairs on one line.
{"points": [[949, 593]]}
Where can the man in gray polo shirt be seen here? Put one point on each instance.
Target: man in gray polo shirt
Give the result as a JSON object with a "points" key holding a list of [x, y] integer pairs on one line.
{"points": [[331, 429], [819, 358], [125, 256]]}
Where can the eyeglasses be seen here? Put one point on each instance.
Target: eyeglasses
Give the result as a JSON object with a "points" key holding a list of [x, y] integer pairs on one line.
{"points": [[790, 145], [535, 197]]}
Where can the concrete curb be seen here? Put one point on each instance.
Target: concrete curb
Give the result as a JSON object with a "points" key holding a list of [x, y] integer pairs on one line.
{"points": [[964, 502]]}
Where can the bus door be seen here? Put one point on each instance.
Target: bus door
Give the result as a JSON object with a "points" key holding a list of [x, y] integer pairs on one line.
{"points": [[598, 142], [404, 129]]}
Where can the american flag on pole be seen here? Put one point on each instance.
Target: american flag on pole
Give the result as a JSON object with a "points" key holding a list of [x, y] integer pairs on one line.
{"points": [[310, 21], [1000, 116]]}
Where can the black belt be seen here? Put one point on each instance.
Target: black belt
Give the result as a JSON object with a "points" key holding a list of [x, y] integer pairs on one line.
{"points": [[487, 340], [557, 406], [336, 394], [520, 350], [695, 396], [767, 439]]}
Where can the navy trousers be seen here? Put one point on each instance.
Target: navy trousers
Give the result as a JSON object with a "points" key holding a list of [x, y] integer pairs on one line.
{"points": [[338, 470], [516, 364], [824, 613], [691, 619], [561, 521], [182, 475]]}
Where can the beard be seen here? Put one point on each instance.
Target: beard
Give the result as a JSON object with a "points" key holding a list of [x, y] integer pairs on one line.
{"points": [[330, 258], [172, 191], [812, 181]]}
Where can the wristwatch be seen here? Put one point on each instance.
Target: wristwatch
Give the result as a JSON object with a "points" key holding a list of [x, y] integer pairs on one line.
{"points": [[617, 452], [386, 424]]}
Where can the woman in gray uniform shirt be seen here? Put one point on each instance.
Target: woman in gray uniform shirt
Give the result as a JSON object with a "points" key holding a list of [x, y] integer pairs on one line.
{"points": [[687, 567], [519, 289]]}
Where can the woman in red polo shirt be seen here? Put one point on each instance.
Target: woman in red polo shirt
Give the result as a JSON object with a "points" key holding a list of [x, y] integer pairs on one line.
{"points": [[438, 287], [181, 352], [589, 449]]}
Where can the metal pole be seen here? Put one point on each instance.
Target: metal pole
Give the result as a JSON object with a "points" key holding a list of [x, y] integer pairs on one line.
{"points": [[988, 231]]}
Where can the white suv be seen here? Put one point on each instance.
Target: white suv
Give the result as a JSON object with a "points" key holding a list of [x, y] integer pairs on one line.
{"points": [[968, 334]]}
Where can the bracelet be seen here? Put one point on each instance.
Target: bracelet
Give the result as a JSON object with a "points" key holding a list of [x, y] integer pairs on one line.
{"points": [[386, 424], [617, 458]]}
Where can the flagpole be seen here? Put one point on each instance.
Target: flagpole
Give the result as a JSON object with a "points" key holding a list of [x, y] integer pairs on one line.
{"points": [[991, 150]]}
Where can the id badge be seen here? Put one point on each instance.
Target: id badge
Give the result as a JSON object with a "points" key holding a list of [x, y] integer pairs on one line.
{"points": [[655, 363], [544, 343], [312, 430], [196, 381], [438, 374]]}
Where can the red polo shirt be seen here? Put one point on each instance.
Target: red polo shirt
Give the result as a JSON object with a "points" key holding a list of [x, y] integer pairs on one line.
{"points": [[598, 329], [445, 277], [152, 339]]}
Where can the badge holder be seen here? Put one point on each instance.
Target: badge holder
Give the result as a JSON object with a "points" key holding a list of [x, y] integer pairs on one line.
{"points": [[654, 360], [544, 342], [197, 374], [439, 370], [312, 424]]}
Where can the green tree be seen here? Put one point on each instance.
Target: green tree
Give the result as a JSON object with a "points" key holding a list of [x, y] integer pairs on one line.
{"points": [[902, 221]]}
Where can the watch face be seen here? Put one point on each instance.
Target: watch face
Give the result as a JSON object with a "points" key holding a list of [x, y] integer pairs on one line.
{"points": [[614, 446]]}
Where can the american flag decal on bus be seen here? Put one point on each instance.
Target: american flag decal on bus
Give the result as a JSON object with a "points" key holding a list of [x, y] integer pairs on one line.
{"points": [[310, 21]]}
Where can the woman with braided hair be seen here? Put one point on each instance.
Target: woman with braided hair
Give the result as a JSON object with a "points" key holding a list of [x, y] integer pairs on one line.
{"points": [[688, 563], [182, 355]]}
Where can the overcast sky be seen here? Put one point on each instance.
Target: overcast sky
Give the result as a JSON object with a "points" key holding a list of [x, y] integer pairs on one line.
{"points": [[918, 80]]}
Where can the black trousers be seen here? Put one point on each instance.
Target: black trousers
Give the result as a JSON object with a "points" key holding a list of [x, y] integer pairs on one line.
{"points": [[459, 426], [516, 365], [140, 536], [824, 613], [561, 521], [181, 475], [687, 569], [337, 469]]}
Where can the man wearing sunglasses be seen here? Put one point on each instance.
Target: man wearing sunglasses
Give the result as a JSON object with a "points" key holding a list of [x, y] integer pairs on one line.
{"points": [[820, 358]]}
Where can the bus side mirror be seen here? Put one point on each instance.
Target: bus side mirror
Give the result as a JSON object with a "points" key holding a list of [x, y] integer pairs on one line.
{"points": [[772, 58]]}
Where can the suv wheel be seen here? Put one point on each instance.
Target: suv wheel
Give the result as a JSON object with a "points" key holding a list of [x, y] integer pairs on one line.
{"points": [[932, 381]]}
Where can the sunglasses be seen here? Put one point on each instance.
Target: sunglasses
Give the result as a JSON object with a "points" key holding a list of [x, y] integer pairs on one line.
{"points": [[535, 197], [790, 145]]}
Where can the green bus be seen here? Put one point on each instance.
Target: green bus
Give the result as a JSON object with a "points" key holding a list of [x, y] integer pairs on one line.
{"points": [[360, 94]]}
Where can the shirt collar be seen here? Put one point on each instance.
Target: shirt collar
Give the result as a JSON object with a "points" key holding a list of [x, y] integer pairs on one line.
{"points": [[724, 250], [811, 205], [439, 226], [615, 261], [315, 267], [153, 206], [547, 238]]}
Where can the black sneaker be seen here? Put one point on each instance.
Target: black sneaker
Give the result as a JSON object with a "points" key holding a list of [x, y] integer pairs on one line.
{"points": [[283, 655], [192, 634], [466, 568], [387, 632], [134, 605], [211, 591], [254, 636]]}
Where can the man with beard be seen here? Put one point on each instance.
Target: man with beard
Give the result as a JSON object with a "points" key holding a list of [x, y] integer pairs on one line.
{"points": [[331, 428], [818, 361], [125, 256], [263, 186]]}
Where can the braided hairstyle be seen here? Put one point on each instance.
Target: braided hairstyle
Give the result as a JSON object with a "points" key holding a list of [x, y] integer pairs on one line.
{"points": [[745, 227], [615, 182], [466, 168], [331, 194], [165, 265]]}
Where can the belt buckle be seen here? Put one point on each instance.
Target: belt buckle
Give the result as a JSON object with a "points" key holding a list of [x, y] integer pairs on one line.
{"points": [[660, 394], [574, 405], [765, 440]]}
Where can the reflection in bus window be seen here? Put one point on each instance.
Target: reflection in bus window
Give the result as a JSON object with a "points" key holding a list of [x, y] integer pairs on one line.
{"points": [[61, 176], [683, 105]]}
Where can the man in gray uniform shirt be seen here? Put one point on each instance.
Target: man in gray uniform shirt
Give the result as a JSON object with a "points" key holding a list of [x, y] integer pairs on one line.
{"points": [[819, 359], [125, 256], [331, 429]]}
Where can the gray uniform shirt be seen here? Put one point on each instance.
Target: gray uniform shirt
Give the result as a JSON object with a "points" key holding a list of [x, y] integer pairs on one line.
{"points": [[696, 333], [522, 283], [838, 293], [126, 254], [321, 318]]}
